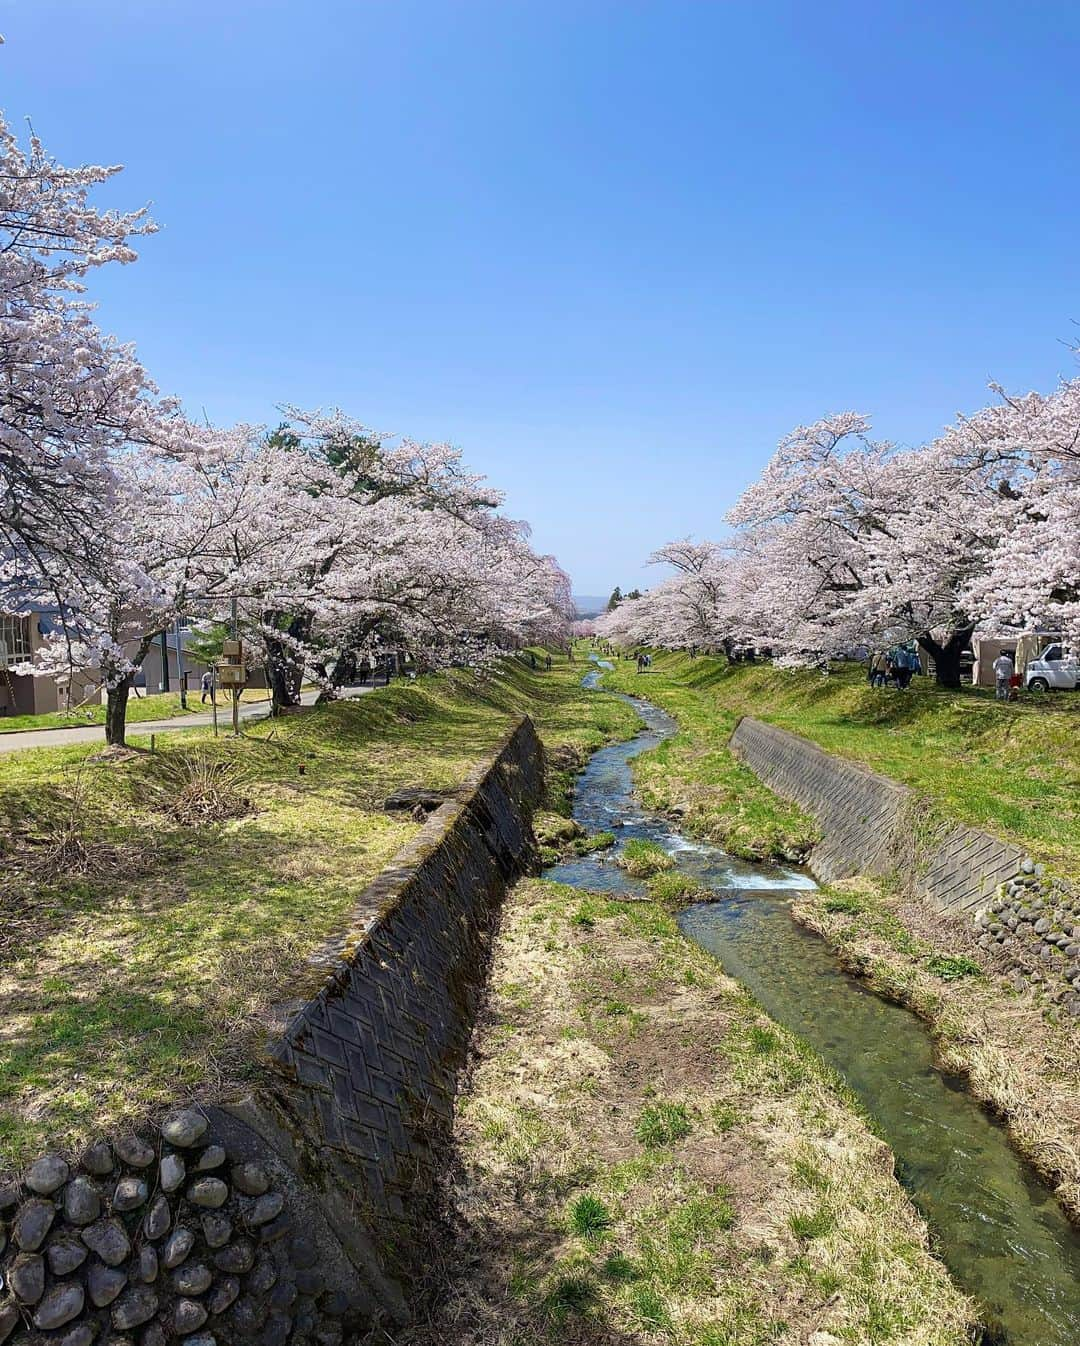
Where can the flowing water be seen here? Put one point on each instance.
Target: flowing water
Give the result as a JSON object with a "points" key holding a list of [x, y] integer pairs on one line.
{"points": [[996, 1226]]}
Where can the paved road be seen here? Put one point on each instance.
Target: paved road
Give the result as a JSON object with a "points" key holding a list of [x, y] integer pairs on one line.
{"points": [[95, 733]]}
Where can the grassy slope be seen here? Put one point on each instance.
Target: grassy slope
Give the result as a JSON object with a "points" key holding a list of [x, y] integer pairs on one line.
{"points": [[1013, 769], [647, 1158], [146, 975], [694, 776]]}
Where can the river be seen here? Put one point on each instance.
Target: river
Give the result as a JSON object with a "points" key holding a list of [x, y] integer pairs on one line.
{"points": [[996, 1226]]}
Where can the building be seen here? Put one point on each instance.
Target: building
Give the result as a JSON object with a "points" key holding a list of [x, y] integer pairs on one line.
{"points": [[21, 636], [21, 694]]}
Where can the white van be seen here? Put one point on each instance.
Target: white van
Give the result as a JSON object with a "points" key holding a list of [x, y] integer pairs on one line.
{"points": [[1056, 668]]}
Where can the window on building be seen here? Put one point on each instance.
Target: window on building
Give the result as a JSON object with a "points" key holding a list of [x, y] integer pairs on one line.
{"points": [[14, 640]]}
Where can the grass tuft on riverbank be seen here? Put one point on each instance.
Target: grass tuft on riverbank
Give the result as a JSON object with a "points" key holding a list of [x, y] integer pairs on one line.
{"points": [[138, 953], [646, 1157]]}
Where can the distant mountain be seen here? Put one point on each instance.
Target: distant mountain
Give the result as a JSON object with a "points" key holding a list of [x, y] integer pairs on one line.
{"points": [[589, 605]]}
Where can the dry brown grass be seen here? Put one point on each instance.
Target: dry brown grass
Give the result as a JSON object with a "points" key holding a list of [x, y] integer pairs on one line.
{"points": [[1019, 1061], [773, 1211]]}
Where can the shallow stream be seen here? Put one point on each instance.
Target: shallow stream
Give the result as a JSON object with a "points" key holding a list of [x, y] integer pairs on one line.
{"points": [[996, 1226]]}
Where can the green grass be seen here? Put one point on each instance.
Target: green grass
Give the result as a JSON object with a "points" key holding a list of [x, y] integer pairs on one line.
{"points": [[643, 858], [662, 1124], [1012, 768], [675, 1184], [676, 890], [146, 976], [951, 967], [590, 1219]]}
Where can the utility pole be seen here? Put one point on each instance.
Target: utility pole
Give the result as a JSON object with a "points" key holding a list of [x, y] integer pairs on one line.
{"points": [[236, 690], [181, 672]]}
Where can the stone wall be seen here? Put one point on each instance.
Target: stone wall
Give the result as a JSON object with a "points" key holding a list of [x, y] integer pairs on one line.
{"points": [[873, 825], [1027, 923], [298, 1214]]}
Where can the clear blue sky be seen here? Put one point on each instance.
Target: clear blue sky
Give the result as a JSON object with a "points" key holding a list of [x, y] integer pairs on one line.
{"points": [[612, 250]]}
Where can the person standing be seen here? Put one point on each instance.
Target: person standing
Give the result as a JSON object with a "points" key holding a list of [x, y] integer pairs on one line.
{"points": [[207, 684], [1003, 672]]}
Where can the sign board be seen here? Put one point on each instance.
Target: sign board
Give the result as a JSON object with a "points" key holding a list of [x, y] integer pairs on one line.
{"points": [[231, 675], [232, 651]]}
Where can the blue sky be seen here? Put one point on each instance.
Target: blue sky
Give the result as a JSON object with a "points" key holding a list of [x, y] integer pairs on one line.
{"points": [[612, 250]]}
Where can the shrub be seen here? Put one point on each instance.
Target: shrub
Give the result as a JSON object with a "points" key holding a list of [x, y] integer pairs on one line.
{"points": [[195, 788]]}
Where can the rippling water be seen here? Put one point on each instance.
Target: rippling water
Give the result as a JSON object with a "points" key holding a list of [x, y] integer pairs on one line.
{"points": [[997, 1227]]}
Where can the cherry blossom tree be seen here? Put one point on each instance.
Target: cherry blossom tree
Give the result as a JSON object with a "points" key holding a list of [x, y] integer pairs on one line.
{"points": [[68, 395]]}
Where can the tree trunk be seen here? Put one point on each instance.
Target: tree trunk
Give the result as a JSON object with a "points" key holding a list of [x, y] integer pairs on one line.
{"points": [[284, 677], [116, 713], [284, 671], [946, 656]]}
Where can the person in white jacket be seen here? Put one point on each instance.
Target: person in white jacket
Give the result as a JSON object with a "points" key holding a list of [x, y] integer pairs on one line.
{"points": [[1003, 671]]}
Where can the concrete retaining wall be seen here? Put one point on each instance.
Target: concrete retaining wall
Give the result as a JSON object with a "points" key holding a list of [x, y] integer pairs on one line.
{"points": [[873, 825], [299, 1214]]}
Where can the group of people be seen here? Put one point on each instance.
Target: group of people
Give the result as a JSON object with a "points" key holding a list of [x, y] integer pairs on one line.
{"points": [[644, 661], [898, 665]]}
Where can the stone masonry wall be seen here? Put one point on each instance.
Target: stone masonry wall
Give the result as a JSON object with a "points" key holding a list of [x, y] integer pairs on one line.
{"points": [[1027, 923], [298, 1214], [873, 825]]}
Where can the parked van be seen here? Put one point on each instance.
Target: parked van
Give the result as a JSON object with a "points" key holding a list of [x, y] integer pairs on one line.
{"points": [[1056, 668]]}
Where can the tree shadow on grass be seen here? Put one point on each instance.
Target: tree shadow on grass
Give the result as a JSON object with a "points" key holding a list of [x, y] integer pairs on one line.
{"points": [[480, 1291]]}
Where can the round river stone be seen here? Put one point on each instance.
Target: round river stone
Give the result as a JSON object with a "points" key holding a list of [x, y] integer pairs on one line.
{"points": [[60, 1305], [109, 1240], [210, 1192], [82, 1205], [172, 1172], [180, 1243], [104, 1284], [135, 1307], [184, 1129], [47, 1175], [32, 1223]]}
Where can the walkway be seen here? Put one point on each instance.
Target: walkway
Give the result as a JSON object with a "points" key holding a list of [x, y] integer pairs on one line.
{"points": [[95, 733]]}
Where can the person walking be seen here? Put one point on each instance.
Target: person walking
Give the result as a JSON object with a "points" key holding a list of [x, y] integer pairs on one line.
{"points": [[879, 666], [906, 664], [1003, 671], [207, 684]]}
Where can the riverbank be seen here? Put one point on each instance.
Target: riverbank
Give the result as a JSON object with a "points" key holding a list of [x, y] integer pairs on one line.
{"points": [[1010, 768], [646, 1156], [1018, 1051], [152, 907], [1019, 1060]]}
